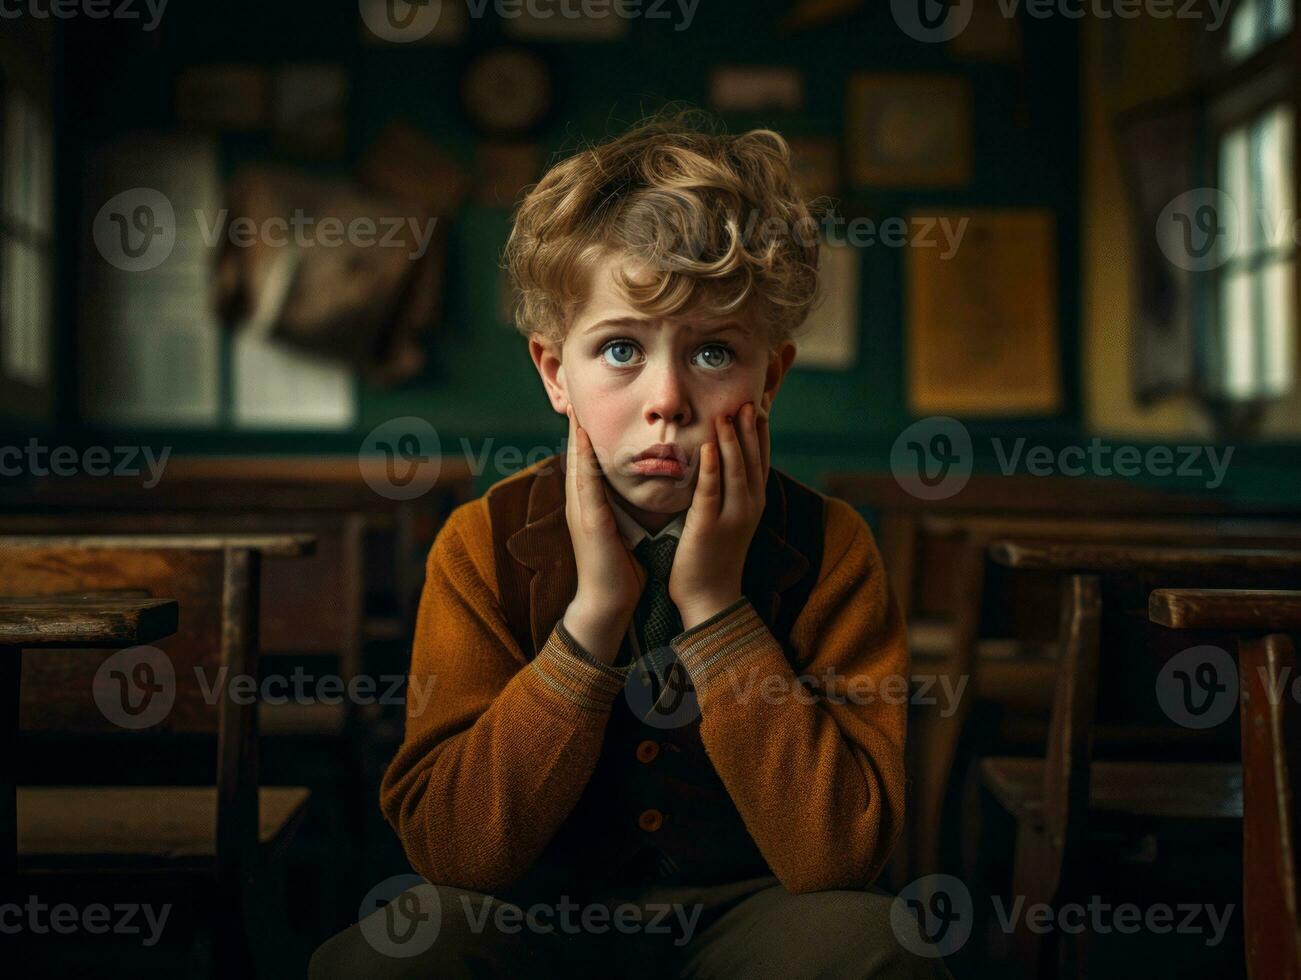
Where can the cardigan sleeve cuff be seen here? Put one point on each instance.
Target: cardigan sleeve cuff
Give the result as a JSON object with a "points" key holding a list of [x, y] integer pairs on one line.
{"points": [[725, 640], [571, 673]]}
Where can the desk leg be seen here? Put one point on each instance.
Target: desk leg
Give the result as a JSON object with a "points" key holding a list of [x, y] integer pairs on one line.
{"points": [[11, 670]]}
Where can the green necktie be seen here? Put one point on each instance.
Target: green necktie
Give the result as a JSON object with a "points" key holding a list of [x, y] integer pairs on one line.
{"points": [[656, 617]]}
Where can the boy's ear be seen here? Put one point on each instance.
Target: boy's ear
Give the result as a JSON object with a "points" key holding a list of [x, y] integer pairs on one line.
{"points": [[546, 358], [778, 365]]}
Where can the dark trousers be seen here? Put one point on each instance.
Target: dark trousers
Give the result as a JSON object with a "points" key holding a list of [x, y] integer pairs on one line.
{"points": [[752, 928]]}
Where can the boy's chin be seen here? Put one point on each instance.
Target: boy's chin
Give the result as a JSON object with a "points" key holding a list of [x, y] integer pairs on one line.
{"points": [[659, 495]]}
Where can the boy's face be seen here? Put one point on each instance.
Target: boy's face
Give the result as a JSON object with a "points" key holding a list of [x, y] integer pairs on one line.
{"points": [[637, 382]]}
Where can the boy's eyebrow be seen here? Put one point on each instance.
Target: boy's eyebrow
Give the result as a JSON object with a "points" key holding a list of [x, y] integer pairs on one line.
{"points": [[642, 322]]}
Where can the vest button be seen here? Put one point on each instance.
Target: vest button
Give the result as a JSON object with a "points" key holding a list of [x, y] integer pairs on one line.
{"points": [[647, 751], [650, 820]]}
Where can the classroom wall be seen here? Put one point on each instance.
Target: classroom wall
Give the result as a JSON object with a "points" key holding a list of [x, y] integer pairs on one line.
{"points": [[480, 383]]}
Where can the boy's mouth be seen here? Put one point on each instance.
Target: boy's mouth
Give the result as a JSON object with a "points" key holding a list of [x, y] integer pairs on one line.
{"points": [[662, 459]]}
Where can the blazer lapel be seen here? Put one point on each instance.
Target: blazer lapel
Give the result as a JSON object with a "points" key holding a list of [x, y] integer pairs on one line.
{"points": [[543, 545]]}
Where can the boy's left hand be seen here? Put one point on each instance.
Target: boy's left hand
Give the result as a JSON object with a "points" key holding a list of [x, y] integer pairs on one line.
{"points": [[725, 511]]}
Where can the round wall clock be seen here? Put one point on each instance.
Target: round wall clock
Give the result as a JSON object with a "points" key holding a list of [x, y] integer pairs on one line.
{"points": [[507, 91]]}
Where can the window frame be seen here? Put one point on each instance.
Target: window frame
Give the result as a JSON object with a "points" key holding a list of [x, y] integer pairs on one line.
{"points": [[1239, 94]]}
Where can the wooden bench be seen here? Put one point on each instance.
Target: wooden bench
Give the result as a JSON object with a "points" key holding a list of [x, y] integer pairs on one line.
{"points": [[1054, 797], [1264, 623], [227, 833], [81, 621], [999, 631]]}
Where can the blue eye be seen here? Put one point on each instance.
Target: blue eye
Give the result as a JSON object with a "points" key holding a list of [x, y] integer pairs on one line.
{"points": [[717, 356], [625, 352]]}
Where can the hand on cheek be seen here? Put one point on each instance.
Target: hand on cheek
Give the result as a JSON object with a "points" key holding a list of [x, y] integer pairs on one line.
{"points": [[725, 511]]}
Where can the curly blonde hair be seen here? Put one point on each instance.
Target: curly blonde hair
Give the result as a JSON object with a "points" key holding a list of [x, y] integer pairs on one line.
{"points": [[713, 221]]}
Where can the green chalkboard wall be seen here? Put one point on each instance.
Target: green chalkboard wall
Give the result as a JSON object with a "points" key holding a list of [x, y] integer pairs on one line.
{"points": [[480, 389]]}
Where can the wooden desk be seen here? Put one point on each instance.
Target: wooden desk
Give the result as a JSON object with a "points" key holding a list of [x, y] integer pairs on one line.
{"points": [[87, 622], [1086, 556]]}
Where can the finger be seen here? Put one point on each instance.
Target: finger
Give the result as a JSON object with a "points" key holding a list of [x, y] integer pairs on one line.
{"points": [[571, 460], [707, 498], [591, 485], [765, 445], [750, 446], [733, 467]]}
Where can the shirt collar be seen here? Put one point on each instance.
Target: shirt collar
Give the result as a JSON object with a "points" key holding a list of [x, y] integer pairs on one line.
{"points": [[633, 532]]}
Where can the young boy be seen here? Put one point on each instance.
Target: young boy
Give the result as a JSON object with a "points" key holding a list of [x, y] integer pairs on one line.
{"points": [[662, 669]]}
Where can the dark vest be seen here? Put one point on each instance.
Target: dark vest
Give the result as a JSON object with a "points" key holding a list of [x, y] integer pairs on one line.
{"points": [[649, 767]]}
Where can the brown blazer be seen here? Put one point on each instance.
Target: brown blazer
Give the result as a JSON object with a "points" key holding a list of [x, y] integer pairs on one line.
{"points": [[773, 748]]}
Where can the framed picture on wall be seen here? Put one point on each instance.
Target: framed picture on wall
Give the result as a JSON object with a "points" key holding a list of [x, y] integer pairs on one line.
{"points": [[816, 163], [756, 88], [982, 335], [829, 339], [908, 130]]}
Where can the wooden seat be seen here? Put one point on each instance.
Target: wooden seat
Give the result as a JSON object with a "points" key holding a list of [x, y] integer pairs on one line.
{"points": [[1186, 790], [138, 825]]}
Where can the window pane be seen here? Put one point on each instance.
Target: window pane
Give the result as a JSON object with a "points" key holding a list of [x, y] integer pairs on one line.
{"points": [[1278, 327], [1244, 30], [40, 162], [15, 156], [1235, 180], [25, 314], [1271, 160], [1280, 17], [1237, 375]]}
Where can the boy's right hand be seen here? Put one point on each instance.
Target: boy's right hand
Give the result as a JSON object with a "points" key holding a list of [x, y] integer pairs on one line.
{"points": [[608, 581]]}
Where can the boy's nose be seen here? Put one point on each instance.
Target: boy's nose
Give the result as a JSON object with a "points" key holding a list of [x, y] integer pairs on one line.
{"points": [[668, 399]]}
